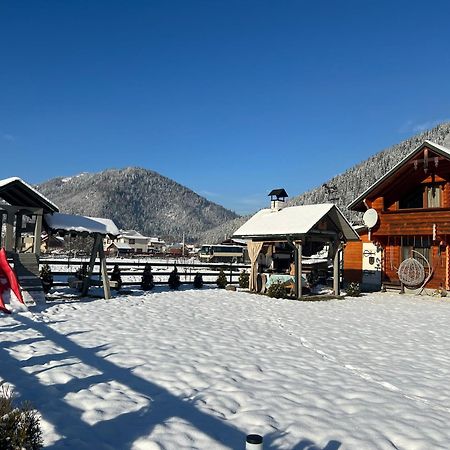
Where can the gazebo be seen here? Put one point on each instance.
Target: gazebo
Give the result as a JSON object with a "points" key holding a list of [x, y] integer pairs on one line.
{"points": [[303, 230], [21, 200]]}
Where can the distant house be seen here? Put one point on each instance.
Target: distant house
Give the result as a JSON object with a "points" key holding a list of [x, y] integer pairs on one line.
{"points": [[129, 239], [117, 249], [156, 245], [407, 214]]}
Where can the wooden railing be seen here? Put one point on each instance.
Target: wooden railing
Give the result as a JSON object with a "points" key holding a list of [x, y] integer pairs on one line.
{"points": [[131, 270]]}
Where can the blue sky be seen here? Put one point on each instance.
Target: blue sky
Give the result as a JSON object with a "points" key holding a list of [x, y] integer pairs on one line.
{"points": [[229, 98]]}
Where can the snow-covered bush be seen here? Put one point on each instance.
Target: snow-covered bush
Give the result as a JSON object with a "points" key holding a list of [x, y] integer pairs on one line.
{"points": [[277, 290], [353, 290], [19, 425]]}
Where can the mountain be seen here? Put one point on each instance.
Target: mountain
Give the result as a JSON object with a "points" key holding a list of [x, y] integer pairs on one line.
{"points": [[344, 188], [137, 199]]}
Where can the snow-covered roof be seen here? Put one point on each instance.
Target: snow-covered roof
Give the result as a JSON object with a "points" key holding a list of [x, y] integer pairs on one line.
{"points": [[17, 192], [156, 240], [80, 224], [132, 234], [293, 221], [439, 149], [121, 246]]}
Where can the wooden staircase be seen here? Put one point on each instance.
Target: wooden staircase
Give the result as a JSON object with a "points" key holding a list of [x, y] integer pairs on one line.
{"points": [[26, 266]]}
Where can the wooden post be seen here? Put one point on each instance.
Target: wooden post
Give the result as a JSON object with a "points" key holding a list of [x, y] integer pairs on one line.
{"points": [[104, 270], [336, 271], [37, 234], [9, 235], [1, 227], [18, 233], [97, 242], [298, 269]]}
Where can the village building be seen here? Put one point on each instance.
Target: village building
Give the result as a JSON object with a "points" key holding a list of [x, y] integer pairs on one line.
{"points": [[280, 236], [407, 217]]}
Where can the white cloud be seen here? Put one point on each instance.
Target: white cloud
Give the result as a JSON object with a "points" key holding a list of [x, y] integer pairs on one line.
{"points": [[8, 137], [418, 127]]}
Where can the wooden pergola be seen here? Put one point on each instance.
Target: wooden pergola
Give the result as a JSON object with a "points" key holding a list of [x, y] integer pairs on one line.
{"points": [[98, 228], [298, 226]]}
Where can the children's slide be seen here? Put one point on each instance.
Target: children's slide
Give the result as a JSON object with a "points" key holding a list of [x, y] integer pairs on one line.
{"points": [[8, 280]]}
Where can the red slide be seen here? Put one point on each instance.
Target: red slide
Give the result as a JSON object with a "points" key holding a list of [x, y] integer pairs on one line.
{"points": [[8, 280]]}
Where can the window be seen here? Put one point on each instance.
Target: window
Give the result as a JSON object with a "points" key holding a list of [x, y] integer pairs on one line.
{"points": [[413, 199], [421, 246], [132, 241], [423, 196], [433, 196]]}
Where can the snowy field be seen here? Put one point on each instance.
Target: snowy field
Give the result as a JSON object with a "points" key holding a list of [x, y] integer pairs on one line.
{"points": [[201, 369]]}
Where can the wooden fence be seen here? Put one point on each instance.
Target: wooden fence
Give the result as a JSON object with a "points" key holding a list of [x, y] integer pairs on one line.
{"points": [[131, 270]]}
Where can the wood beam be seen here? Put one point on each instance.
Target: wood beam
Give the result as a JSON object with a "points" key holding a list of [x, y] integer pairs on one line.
{"points": [[95, 247], [37, 234], [104, 271], [336, 271]]}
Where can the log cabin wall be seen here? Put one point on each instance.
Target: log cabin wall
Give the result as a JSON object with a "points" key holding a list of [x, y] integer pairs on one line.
{"points": [[404, 225], [353, 258]]}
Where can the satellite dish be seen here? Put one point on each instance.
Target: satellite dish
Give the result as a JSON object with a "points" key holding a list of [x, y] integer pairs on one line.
{"points": [[370, 218]]}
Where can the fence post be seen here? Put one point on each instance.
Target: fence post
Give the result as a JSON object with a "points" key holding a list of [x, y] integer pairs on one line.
{"points": [[231, 272], [254, 442]]}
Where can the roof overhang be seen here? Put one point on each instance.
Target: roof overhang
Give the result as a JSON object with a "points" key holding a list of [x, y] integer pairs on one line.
{"points": [[295, 222], [70, 223], [18, 193], [358, 203]]}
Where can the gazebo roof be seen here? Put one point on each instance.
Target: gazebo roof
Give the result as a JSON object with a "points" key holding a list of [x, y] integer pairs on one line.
{"points": [[69, 223], [294, 221], [18, 193], [278, 193]]}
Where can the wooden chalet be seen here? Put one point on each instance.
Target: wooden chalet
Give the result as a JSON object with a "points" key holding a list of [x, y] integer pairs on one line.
{"points": [[409, 209]]}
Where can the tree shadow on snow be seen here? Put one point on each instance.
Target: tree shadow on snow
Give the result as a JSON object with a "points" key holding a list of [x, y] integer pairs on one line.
{"points": [[116, 433]]}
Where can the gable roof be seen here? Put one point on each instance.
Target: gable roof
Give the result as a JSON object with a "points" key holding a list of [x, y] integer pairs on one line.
{"points": [[18, 193], [278, 193], [294, 221], [439, 149]]}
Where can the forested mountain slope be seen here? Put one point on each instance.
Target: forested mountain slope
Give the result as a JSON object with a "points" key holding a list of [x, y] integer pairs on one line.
{"points": [[137, 199], [344, 188]]}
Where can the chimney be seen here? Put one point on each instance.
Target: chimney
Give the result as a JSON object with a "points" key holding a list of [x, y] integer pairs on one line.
{"points": [[277, 199]]}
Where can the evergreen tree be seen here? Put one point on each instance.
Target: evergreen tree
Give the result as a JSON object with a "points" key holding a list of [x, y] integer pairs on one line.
{"points": [[47, 278], [174, 279], [221, 280], [198, 281], [147, 283]]}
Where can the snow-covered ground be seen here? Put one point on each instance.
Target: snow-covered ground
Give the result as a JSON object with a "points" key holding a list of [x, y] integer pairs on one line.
{"points": [[201, 369]]}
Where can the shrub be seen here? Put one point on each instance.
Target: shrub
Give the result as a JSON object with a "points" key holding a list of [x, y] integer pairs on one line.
{"points": [[19, 424], [147, 283], [174, 279], [198, 281], [221, 280], [244, 279], [47, 278], [116, 276], [277, 290], [353, 290]]}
